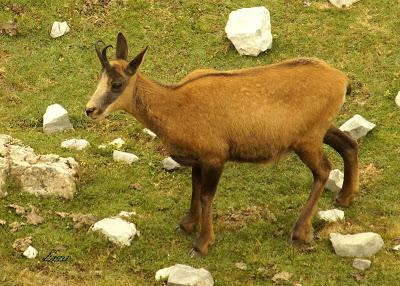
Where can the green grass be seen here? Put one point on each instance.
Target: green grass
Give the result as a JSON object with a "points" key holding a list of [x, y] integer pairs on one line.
{"points": [[185, 35]]}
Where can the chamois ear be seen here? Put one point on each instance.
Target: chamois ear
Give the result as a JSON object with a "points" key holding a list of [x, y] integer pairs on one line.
{"points": [[136, 62], [122, 47]]}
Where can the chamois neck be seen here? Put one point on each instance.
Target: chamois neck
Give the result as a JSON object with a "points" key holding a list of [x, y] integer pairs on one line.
{"points": [[149, 102]]}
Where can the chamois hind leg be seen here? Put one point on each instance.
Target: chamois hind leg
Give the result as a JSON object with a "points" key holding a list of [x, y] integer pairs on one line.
{"points": [[348, 150], [319, 165], [210, 175], [191, 220]]}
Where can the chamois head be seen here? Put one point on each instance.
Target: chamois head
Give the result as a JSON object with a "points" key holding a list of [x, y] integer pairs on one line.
{"points": [[117, 80]]}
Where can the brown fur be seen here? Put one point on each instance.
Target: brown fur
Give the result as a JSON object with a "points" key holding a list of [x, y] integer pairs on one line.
{"points": [[250, 115]]}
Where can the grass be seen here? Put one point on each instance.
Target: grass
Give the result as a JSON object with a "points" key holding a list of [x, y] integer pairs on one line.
{"points": [[36, 71]]}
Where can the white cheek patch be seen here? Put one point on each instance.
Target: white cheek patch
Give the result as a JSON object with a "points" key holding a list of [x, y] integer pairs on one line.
{"points": [[101, 87]]}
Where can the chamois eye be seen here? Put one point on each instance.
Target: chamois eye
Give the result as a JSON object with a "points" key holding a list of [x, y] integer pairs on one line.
{"points": [[116, 85]]}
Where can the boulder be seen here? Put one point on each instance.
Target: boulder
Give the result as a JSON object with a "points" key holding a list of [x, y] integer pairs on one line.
{"points": [[397, 100], [58, 29], [77, 144], [30, 252], [343, 3], [249, 29], [357, 127], [170, 164], [56, 119], [356, 245], [116, 230], [150, 133], [335, 181], [183, 275], [331, 215], [361, 264], [124, 157], [49, 175]]}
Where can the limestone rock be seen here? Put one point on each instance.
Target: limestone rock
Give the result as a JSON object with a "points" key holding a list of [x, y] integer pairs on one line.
{"points": [[331, 215], [30, 252], [116, 230], [357, 127], [77, 144], [356, 245], [361, 264], [183, 275], [124, 157], [335, 181], [150, 133], [49, 175], [56, 119], [343, 3], [397, 247], [170, 164], [126, 214], [117, 143], [249, 29], [398, 99], [58, 29]]}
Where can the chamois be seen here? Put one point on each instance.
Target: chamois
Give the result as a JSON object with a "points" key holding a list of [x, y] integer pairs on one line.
{"points": [[248, 115]]}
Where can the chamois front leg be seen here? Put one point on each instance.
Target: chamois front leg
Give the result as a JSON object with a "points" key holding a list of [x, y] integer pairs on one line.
{"points": [[191, 220], [210, 176], [319, 165]]}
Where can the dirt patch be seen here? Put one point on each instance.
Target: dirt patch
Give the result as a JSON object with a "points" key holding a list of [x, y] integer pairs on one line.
{"points": [[369, 175], [339, 227], [237, 219]]}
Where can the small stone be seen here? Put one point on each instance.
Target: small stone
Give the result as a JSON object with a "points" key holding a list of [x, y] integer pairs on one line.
{"points": [[116, 230], [56, 119], [249, 29], [30, 252], [397, 247], [126, 214], [398, 99], [150, 133], [306, 3], [241, 265], [356, 245], [361, 264], [183, 275], [335, 181], [3, 222], [124, 157], [77, 144], [357, 127], [343, 3], [331, 215], [170, 164], [117, 143], [281, 277], [58, 29]]}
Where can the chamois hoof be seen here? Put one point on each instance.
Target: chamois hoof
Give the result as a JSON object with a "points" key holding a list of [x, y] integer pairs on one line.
{"points": [[195, 253], [188, 224], [302, 238], [343, 202]]}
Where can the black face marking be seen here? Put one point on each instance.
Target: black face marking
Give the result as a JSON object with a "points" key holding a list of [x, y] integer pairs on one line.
{"points": [[118, 84]]}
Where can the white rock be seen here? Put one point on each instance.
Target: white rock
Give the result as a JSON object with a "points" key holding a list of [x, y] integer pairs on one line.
{"points": [[77, 144], [356, 245], [183, 275], [357, 126], [335, 181], [56, 119], [30, 252], [343, 3], [47, 175], [150, 133], [4, 169], [124, 157], [397, 247], [170, 164], [117, 143], [58, 29], [398, 99], [361, 264], [116, 230], [331, 215], [126, 214], [249, 29]]}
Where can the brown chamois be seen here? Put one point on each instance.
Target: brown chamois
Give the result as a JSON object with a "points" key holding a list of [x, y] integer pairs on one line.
{"points": [[249, 115]]}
